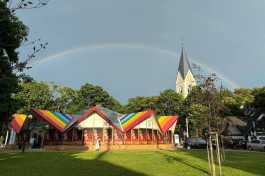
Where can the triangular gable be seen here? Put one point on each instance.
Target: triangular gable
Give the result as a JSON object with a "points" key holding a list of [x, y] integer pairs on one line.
{"points": [[58, 120], [73, 121], [129, 121], [145, 123], [112, 116], [166, 122], [18, 121], [155, 122], [101, 114]]}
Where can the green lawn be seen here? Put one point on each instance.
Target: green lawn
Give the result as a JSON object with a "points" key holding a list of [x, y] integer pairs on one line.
{"points": [[124, 163]]}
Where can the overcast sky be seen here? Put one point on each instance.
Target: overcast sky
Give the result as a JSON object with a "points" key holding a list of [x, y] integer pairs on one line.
{"points": [[131, 47]]}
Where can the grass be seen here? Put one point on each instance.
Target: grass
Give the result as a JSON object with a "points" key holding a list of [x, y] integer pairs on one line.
{"points": [[126, 163]]}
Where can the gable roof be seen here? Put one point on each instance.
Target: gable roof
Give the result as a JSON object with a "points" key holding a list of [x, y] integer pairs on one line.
{"points": [[110, 116], [166, 122], [58, 120], [18, 121], [184, 65], [236, 125], [129, 121], [77, 115], [122, 123]]}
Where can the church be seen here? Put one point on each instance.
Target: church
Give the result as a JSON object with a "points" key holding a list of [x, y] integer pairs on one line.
{"points": [[185, 77]]}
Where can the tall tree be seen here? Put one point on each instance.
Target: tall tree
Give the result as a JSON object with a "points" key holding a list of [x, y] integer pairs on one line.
{"points": [[233, 102], [64, 99], [259, 97], [170, 102], [89, 95], [243, 96], [13, 34], [37, 94], [141, 103], [214, 114]]}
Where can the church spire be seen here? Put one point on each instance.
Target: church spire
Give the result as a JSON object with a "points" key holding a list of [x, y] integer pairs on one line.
{"points": [[185, 79], [184, 65]]}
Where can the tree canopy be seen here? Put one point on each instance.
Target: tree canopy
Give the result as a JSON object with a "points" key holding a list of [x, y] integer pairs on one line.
{"points": [[12, 34]]}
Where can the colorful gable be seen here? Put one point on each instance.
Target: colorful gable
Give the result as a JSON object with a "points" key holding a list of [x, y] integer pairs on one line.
{"points": [[18, 121], [129, 121], [166, 122], [122, 123], [58, 120]]}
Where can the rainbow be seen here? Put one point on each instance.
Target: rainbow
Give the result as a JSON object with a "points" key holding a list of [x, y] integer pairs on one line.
{"points": [[70, 51]]}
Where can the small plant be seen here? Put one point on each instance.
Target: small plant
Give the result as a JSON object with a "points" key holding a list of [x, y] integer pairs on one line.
{"points": [[1, 139]]}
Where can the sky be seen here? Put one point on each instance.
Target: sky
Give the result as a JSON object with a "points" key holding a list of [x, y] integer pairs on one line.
{"points": [[132, 47]]}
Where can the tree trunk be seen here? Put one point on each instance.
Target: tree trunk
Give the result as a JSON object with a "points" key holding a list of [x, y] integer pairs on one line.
{"points": [[211, 158]]}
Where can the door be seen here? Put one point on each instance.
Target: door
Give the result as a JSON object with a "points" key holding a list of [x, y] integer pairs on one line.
{"points": [[39, 139]]}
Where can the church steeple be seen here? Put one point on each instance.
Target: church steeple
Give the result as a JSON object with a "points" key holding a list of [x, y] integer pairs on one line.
{"points": [[185, 79]]}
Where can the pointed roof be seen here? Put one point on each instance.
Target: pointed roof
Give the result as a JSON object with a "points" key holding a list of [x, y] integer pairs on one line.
{"points": [[77, 115], [129, 121], [166, 122], [236, 125], [18, 121], [122, 123], [184, 65], [108, 115], [112, 115], [58, 120]]}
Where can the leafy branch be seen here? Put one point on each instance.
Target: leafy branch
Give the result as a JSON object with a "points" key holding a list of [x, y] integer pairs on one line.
{"points": [[23, 4], [19, 67]]}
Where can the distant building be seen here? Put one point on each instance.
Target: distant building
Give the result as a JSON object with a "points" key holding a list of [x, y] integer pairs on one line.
{"points": [[185, 78], [249, 128]]}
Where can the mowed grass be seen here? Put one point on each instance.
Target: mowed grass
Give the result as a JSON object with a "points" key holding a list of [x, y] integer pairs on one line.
{"points": [[126, 163]]}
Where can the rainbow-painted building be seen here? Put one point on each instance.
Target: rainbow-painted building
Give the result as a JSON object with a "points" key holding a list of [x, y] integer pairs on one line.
{"points": [[85, 127]]}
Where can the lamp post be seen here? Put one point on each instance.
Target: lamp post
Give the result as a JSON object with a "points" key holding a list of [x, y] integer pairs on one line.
{"points": [[28, 119], [187, 126]]}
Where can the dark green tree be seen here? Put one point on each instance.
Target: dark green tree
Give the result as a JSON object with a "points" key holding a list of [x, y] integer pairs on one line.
{"points": [[13, 35], [169, 102], [89, 95], [241, 97], [259, 97], [35, 94], [64, 99], [141, 103]]}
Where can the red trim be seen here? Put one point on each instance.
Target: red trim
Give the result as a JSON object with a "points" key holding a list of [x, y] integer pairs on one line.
{"points": [[142, 118], [16, 126], [47, 119], [91, 110], [84, 115], [169, 124], [107, 119]]}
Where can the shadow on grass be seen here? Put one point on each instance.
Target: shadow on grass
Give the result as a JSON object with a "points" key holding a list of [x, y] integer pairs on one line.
{"points": [[61, 163], [170, 159], [252, 162]]}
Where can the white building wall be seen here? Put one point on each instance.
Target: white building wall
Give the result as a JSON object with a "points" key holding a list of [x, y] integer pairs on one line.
{"points": [[184, 86], [148, 124], [94, 121]]}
